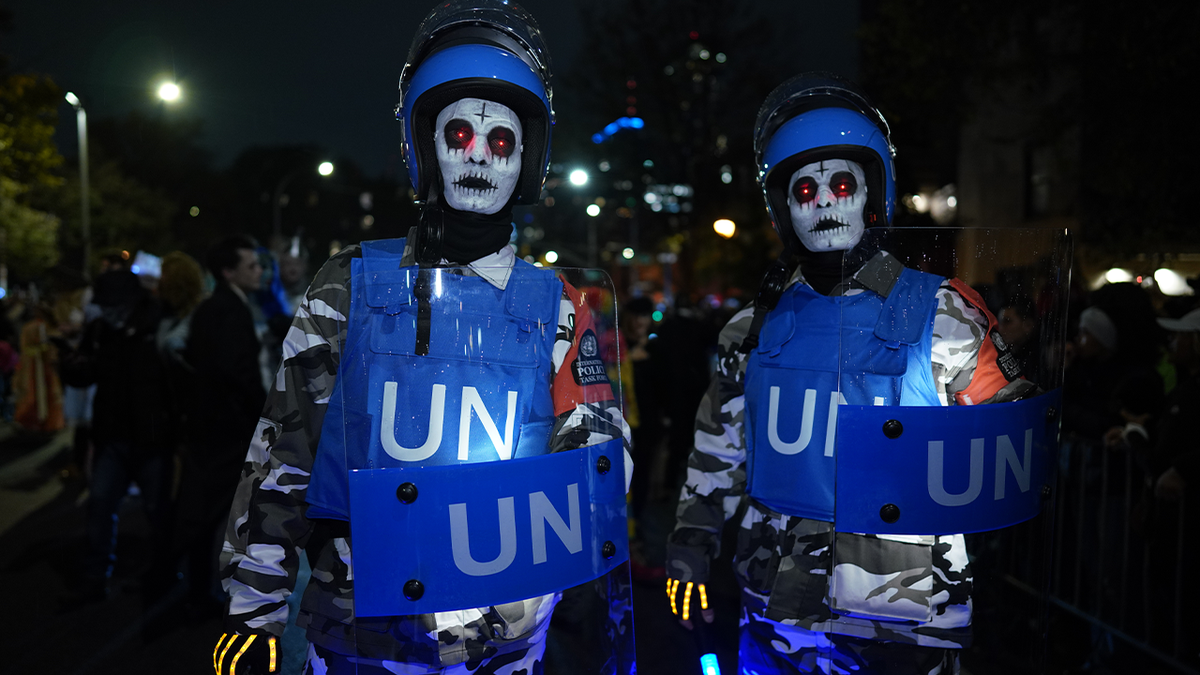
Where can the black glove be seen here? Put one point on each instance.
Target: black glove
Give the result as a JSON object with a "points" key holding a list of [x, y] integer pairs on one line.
{"points": [[253, 654]]}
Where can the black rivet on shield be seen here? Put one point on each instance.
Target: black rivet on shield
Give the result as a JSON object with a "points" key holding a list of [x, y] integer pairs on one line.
{"points": [[406, 493], [413, 589], [1051, 414], [890, 513], [608, 550], [603, 464], [893, 428], [1045, 492]]}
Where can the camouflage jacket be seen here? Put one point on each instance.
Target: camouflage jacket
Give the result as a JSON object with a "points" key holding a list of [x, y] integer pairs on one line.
{"points": [[268, 527], [800, 572]]}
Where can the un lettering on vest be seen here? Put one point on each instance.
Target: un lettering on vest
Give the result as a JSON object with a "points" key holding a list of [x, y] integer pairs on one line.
{"points": [[471, 402], [807, 420], [541, 512], [1006, 457]]}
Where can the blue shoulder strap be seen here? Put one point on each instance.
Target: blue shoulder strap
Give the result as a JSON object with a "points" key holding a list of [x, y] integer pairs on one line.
{"points": [[906, 310]]}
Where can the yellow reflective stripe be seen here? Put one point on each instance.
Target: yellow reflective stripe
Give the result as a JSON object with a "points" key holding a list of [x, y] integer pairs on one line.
{"points": [[703, 598], [238, 655], [272, 643], [674, 584], [216, 664], [221, 660], [687, 600]]}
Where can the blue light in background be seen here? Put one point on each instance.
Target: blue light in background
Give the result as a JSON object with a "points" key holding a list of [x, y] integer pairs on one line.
{"points": [[708, 664], [613, 127]]}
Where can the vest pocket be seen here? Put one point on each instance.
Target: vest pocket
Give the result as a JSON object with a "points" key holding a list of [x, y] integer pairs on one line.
{"points": [[884, 577]]}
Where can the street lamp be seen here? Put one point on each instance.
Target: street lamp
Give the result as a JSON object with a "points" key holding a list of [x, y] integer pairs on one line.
{"points": [[85, 222], [725, 227], [578, 177], [169, 92], [324, 168]]}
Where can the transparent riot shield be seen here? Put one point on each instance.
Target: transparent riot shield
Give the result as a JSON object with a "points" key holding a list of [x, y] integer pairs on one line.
{"points": [[941, 438], [480, 465]]}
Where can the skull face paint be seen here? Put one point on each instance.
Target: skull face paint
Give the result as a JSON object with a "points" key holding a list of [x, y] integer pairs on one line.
{"points": [[826, 201], [479, 154]]}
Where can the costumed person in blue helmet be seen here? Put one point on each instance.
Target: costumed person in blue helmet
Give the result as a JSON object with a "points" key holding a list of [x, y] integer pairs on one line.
{"points": [[865, 603], [373, 363]]}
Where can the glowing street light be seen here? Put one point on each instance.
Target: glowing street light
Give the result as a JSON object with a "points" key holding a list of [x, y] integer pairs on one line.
{"points": [[325, 168], [551, 257], [578, 177], [627, 253], [593, 210], [725, 227], [169, 92], [85, 215]]}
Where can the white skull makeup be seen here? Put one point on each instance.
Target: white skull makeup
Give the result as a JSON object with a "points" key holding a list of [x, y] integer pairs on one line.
{"points": [[826, 201], [479, 153]]}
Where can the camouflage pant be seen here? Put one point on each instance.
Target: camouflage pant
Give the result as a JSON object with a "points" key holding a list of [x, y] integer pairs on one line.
{"points": [[525, 661], [771, 648]]}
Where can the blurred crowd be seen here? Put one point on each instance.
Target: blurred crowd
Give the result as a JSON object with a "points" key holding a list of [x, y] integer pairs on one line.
{"points": [[157, 368]]}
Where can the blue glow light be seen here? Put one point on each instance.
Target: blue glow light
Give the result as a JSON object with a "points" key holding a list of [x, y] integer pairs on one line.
{"points": [[613, 127], [708, 663], [135, 269]]}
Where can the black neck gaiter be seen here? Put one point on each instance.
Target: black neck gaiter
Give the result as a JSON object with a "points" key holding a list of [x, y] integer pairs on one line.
{"points": [[824, 270], [467, 237]]}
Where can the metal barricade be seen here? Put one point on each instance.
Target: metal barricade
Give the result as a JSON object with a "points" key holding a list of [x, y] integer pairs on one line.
{"points": [[1118, 556]]}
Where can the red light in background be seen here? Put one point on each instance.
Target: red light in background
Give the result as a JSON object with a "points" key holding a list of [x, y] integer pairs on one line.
{"points": [[631, 111], [695, 35], [1139, 278], [631, 83]]}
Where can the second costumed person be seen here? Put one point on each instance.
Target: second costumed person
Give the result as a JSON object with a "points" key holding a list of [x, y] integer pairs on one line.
{"points": [[850, 325], [438, 441]]}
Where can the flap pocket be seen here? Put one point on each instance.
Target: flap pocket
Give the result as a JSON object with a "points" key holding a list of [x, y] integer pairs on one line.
{"points": [[882, 578]]}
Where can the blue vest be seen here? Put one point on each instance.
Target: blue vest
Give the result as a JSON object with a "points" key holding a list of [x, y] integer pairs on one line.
{"points": [[481, 394], [816, 352]]}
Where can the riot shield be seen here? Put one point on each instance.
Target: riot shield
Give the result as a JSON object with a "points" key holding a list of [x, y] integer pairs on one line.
{"points": [[947, 436], [475, 446], [918, 444]]}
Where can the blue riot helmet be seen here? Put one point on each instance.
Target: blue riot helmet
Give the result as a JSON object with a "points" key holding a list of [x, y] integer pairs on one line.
{"points": [[818, 116], [487, 49]]}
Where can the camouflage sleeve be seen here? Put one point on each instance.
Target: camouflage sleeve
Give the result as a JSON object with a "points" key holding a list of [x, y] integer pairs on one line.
{"points": [[587, 410], [716, 473], [267, 524], [966, 363]]}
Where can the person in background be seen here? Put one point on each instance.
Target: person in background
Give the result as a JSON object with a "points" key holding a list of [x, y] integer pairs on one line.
{"points": [[129, 420], [223, 350], [36, 386]]}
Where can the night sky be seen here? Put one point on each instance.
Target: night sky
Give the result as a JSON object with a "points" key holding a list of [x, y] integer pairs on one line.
{"points": [[268, 72]]}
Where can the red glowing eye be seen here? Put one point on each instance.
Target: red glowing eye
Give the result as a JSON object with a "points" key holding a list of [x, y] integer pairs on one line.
{"points": [[501, 141], [804, 190], [459, 134], [843, 185]]}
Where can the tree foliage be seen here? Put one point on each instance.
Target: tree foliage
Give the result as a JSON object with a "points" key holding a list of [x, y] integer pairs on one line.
{"points": [[29, 161]]}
